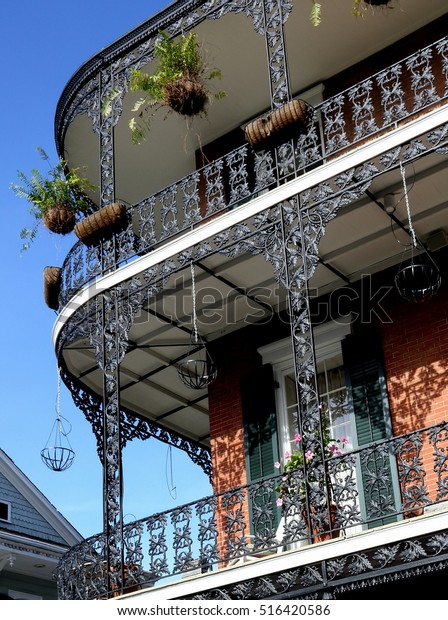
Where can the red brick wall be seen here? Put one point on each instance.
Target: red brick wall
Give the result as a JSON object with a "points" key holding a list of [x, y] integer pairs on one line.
{"points": [[227, 436], [236, 357], [387, 57], [416, 358], [380, 61], [416, 363]]}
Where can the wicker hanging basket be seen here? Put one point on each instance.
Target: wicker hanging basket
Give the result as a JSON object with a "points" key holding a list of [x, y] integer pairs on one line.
{"points": [[287, 121], [102, 224], [59, 219], [52, 286]]}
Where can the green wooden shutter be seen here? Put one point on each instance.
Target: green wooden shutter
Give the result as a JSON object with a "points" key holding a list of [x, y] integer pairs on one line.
{"points": [[367, 396], [258, 403], [260, 425]]}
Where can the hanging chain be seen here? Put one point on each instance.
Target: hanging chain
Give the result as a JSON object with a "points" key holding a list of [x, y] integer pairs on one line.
{"points": [[408, 210], [58, 397], [193, 292]]}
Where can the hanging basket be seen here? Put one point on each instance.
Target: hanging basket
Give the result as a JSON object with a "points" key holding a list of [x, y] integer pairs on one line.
{"points": [[59, 219], [418, 281], [58, 454], [57, 458], [288, 121], [186, 96], [197, 371], [102, 224], [52, 286]]}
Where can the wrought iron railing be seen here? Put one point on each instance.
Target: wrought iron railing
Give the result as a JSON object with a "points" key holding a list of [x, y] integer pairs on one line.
{"points": [[376, 105], [387, 481]]}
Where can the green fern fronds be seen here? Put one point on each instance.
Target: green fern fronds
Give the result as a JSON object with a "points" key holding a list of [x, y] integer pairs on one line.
{"points": [[44, 191], [177, 59], [316, 14], [106, 106], [138, 130], [355, 8], [316, 11]]}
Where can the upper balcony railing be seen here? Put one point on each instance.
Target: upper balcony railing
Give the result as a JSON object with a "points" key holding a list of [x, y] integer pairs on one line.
{"points": [[383, 483], [370, 108]]}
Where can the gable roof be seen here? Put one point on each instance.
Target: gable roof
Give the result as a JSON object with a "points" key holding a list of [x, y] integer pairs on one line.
{"points": [[33, 515]]}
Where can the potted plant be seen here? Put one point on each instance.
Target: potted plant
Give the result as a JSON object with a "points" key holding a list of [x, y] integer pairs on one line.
{"points": [[316, 9], [293, 489], [291, 119], [56, 198], [99, 225], [52, 286], [180, 82]]}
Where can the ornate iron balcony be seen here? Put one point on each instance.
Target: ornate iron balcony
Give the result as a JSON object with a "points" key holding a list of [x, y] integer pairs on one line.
{"points": [[386, 482], [377, 105]]}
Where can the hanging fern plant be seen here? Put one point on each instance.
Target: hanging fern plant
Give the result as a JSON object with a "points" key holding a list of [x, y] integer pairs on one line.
{"points": [[180, 82], [357, 9], [56, 198]]}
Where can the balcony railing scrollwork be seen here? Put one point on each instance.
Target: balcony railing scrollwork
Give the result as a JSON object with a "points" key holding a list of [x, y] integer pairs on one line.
{"points": [[382, 483], [376, 105]]}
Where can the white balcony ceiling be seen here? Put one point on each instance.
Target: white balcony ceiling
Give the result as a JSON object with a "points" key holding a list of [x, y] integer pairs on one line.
{"points": [[358, 241]]}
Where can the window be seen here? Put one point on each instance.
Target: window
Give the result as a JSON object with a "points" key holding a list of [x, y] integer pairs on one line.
{"points": [[5, 511], [352, 384], [333, 395], [331, 382]]}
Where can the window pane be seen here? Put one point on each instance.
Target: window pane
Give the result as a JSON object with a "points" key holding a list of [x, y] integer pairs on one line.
{"points": [[4, 511], [333, 395]]}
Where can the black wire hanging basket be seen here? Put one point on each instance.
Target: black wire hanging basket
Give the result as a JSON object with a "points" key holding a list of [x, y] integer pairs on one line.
{"points": [[418, 281], [58, 454], [418, 278], [197, 370], [57, 458]]}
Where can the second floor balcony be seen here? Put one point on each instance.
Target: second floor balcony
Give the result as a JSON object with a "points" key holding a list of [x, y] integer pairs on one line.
{"points": [[321, 541], [383, 111]]}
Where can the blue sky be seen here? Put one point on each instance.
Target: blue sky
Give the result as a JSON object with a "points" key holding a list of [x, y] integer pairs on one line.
{"points": [[42, 45]]}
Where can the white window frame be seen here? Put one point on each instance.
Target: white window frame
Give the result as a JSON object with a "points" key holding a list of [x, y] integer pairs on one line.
{"points": [[327, 343]]}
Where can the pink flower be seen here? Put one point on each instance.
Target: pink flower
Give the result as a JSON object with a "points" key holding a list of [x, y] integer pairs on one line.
{"points": [[279, 502], [297, 437], [309, 455], [287, 454], [277, 465], [344, 440]]}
